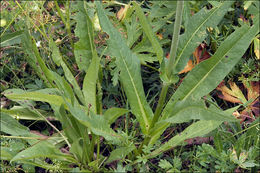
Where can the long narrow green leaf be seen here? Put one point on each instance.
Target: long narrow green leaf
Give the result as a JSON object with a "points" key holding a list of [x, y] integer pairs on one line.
{"points": [[208, 74], [11, 126], [130, 74], [39, 162], [196, 32], [11, 39], [57, 58], [70, 125], [37, 62], [36, 96], [90, 84], [22, 113], [149, 32], [43, 149], [184, 112], [199, 128], [83, 49]]}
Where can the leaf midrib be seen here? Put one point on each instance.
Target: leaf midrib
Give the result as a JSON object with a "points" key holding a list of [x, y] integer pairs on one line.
{"points": [[196, 33], [10, 39], [138, 97]]}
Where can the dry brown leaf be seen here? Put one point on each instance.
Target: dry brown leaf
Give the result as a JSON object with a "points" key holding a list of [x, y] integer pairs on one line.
{"points": [[229, 98], [200, 55], [159, 35], [122, 12], [252, 90], [235, 95], [188, 67]]}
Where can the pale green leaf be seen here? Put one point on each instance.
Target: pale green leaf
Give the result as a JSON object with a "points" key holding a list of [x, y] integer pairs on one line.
{"points": [[120, 153], [162, 124], [36, 96], [11, 126], [43, 149], [11, 39], [32, 53], [20, 112], [77, 148], [7, 153], [130, 74], [113, 113], [90, 83]]}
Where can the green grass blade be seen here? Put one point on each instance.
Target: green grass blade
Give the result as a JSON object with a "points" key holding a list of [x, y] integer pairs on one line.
{"points": [[149, 32], [196, 32], [130, 73]]}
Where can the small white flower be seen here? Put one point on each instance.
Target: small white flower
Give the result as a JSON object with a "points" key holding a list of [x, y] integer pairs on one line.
{"points": [[35, 8], [38, 44]]}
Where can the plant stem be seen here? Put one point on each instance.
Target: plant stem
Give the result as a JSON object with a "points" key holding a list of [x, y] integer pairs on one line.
{"points": [[157, 113], [160, 104], [175, 40], [169, 70], [98, 147], [151, 67], [65, 138], [86, 153]]}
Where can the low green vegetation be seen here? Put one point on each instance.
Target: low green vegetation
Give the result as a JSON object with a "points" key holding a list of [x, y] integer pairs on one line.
{"points": [[119, 86]]}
